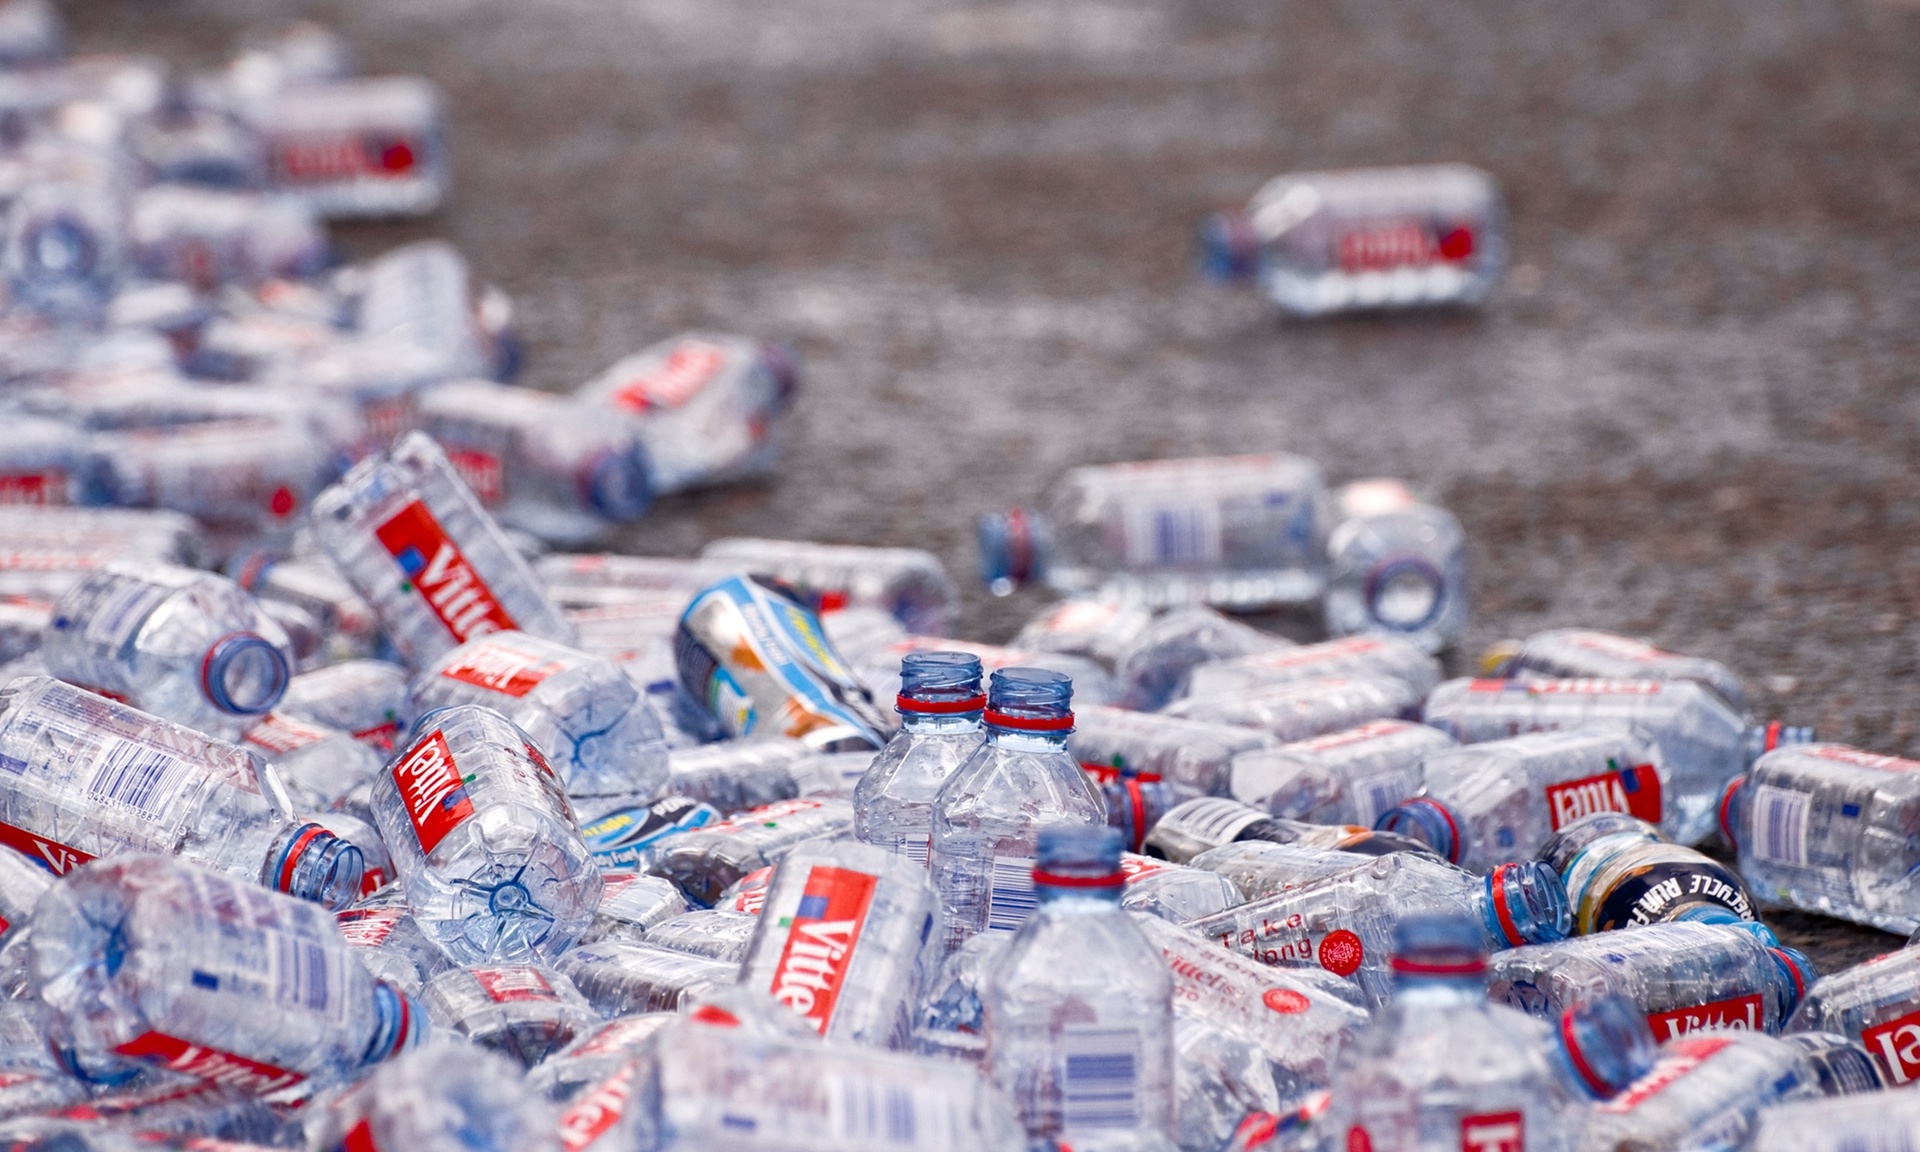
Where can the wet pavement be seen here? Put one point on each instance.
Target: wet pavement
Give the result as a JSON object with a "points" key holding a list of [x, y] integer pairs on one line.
{"points": [[1690, 413]]}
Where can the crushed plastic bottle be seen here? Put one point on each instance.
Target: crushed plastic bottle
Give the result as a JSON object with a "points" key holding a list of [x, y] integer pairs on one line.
{"points": [[320, 767], [1307, 708], [1386, 656], [705, 862], [1876, 1004], [357, 148], [940, 705], [1576, 653], [390, 943], [1196, 753], [1620, 872], [518, 1010], [1153, 665], [1347, 777], [621, 979], [445, 1097], [909, 584], [717, 934], [595, 1055], [1396, 566], [1237, 532], [313, 585], [368, 698], [1703, 1092]]}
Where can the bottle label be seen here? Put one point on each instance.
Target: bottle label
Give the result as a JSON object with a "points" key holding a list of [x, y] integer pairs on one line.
{"points": [[623, 838], [325, 158], [1780, 825], [765, 816], [1010, 895], [1377, 730], [1635, 791], [138, 778], [497, 665], [483, 473], [914, 848], [1896, 1044], [52, 855], [380, 737], [1133, 867], [1307, 655], [368, 927], [1740, 1013], [514, 983], [1652, 890], [446, 582], [588, 1118], [1385, 245], [280, 734], [1211, 820], [1493, 1132], [41, 488], [1100, 1075], [1846, 755], [823, 927], [118, 615], [688, 369], [203, 1063], [304, 975], [431, 788], [750, 892], [359, 1138], [1676, 1061], [1155, 533], [1581, 687]]}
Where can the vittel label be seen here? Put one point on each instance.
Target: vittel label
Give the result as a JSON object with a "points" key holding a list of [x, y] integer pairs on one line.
{"points": [[209, 1063], [589, 1117], [1635, 791], [1676, 1060], [1846, 755], [1493, 1132], [318, 159], [483, 473], [430, 787], [1896, 1044], [444, 579], [822, 931], [283, 734], [1381, 246], [750, 894], [1740, 1012], [52, 855], [691, 366], [498, 666], [33, 487], [509, 984]]}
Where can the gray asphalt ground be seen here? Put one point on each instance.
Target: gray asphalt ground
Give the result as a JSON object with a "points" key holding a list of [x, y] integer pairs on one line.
{"points": [[1690, 413]]}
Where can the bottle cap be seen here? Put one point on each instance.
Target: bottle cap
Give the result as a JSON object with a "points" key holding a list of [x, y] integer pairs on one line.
{"points": [[1730, 811], [1013, 549], [935, 683], [244, 674], [1439, 947], [1229, 247], [1527, 904], [1427, 820], [618, 485], [1800, 973], [1608, 1043], [1030, 700], [1078, 856]]}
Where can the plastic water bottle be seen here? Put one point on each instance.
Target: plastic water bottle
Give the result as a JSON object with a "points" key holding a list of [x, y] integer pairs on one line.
{"points": [[596, 1054], [1442, 1067], [1174, 892], [1704, 1091], [621, 979], [1359, 239], [1196, 753], [940, 704], [416, 544], [716, 933], [1344, 921], [705, 862], [542, 463], [1876, 1004], [879, 667], [368, 698], [1348, 777], [988, 815], [320, 767], [421, 297], [1844, 1068], [1386, 656], [90, 777], [1396, 567], [1620, 872], [313, 585], [50, 549], [581, 711], [1488, 803], [250, 476], [357, 148], [1584, 653], [1085, 626], [1831, 1125], [1307, 708], [445, 1097], [148, 961], [841, 941], [1703, 742], [910, 584], [389, 943], [1085, 1050], [630, 838], [705, 405], [631, 906], [1153, 663], [758, 659], [518, 1010], [210, 238], [1827, 828], [484, 841], [1235, 532], [1204, 824], [186, 645], [1685, 977], [43, 463]]}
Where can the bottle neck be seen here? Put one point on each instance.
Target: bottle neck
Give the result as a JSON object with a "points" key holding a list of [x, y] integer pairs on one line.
{"points": [[939, 724], [1073, 896], [1023, 740], [1438, 991]]}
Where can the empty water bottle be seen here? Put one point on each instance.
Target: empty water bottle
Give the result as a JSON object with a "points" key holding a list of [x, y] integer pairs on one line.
{"points": [[879, 667], [1153, 663], [1703, 1092], [518, 1010], [940, 704], [1620, 872], [484, 840], [357, 147], [1084, 626], [320, 767], [1843, 1066], [445, 1097], [189, 646], [389, 943], [1876, 1004], [49, 549], [1703, 742], [907, 583], [1235, 532], [1365, 238], [416, 545], [421, 297], [596, 1054], [1174, 892], [43, 463], [1396, 567], [1353, 656], [706, 861], [716, 933], [1307, 708], [1583, 652], [1834, 1125], [368, 698], [1347, 777], [315, 586], [620, 979], [1196, 753], [210, 238], [65, 248]]}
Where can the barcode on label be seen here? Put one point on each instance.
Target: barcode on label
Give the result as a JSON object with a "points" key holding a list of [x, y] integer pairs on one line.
{"points": [[121, 613], [301, 976], [1099, 1078], [138, 776], [913, 848], [1172, 534], [864, 1113], [1011, 899], [1374, 796], [1780, 825]]}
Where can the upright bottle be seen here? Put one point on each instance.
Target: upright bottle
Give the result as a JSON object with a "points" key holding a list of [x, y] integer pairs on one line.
{"points": [[1079, 1012], [1234, 532], [940, 705], [1396, 567], [186, 645], [988, 815]]}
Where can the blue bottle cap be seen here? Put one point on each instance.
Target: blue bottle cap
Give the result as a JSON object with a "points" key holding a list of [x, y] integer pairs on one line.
{"points": [[940, 683], [1730, 811], [1013, 550], [1229, 247], [1439, 947], [244, 674], [1427, 820], [1608, 1044], [1030, 700], [1526, 904], [619, 485], [1799, 971]]}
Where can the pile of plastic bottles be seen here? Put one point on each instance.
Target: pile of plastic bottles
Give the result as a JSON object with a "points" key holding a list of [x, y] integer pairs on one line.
{"points": [[336, 813]]}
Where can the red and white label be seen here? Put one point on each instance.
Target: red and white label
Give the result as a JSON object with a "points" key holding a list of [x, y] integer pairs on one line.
{"points": [[1741, 1013], [283, 734], [510, 984], [380, 737], [40, 488], [320, 159], [822, 932], [1382, 246], [1854, 756], [1581, 687], [618, 1035], [751, 894], [764, 815], [52, 855], [1377, 730], [601, 1108], [449, 585], [430, 787], [498, 666], [212, 1064], [1493, 1132], [1676, 1060], [359, 1138], [368, 927], [1341, 952], [483, 473], [1133, 866], [691, 366], [1309, 654], [1635, 791], [1896, 1044]]}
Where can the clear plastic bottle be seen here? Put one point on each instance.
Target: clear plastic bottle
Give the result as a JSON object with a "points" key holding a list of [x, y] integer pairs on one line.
{"points": [[151, 961], [445, 1097], [357, 148], [416, 544], [1206, 823], [389, 943], [93, 778], [734, 775], [1502, 800], [988, 815], [878, 667], [717, 934], [1359, 239], [621, 979], [1838, 1124], [1620, 872], [705, 405], [631, 906], [940, 704], [320, 767], [1703, 742], [1235, 532], [1396, 566], [1085, 626], [484, 840], [1829, 828], [210, 238], [1346, 777], [1343, 921], [1350, 656], [1173, 892], [581, 710], [1686, 977], [542, 463], [248, 476], [1153, 664], [1876, 1004], [518, 1010], [1085, 1049], [1703, 1092], [1843, 1066], [1260, 868], [368, 698], [43, 463], [1199, 754], [705, 862], [596, 1054], [186, 645], [50, 549], [910, 584], [1308, 708], [1575, 653], [842, 940], [421, 297]]}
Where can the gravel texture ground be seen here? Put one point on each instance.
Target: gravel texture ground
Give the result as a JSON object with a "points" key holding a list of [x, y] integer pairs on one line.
{"points": [[1689, 414]]}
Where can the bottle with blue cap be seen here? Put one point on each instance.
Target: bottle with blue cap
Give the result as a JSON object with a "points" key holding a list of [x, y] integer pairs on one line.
{"points": [[940, 704], [988, 815], [1079, 1012], [1442, 1069]]}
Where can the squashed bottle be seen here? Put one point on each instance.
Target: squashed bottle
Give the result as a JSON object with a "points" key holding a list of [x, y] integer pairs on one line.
{"points": [[940, 704], [368, 698], [518, 1010], [909, 584]]}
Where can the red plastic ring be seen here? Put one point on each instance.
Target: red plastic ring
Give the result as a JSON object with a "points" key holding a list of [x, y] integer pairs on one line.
{"points": [[1577, 1058], [292, 860], [1139, 805], [1029, 723], [1500, 913], [1055, 880], [905, 703], [1423, 968]]}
